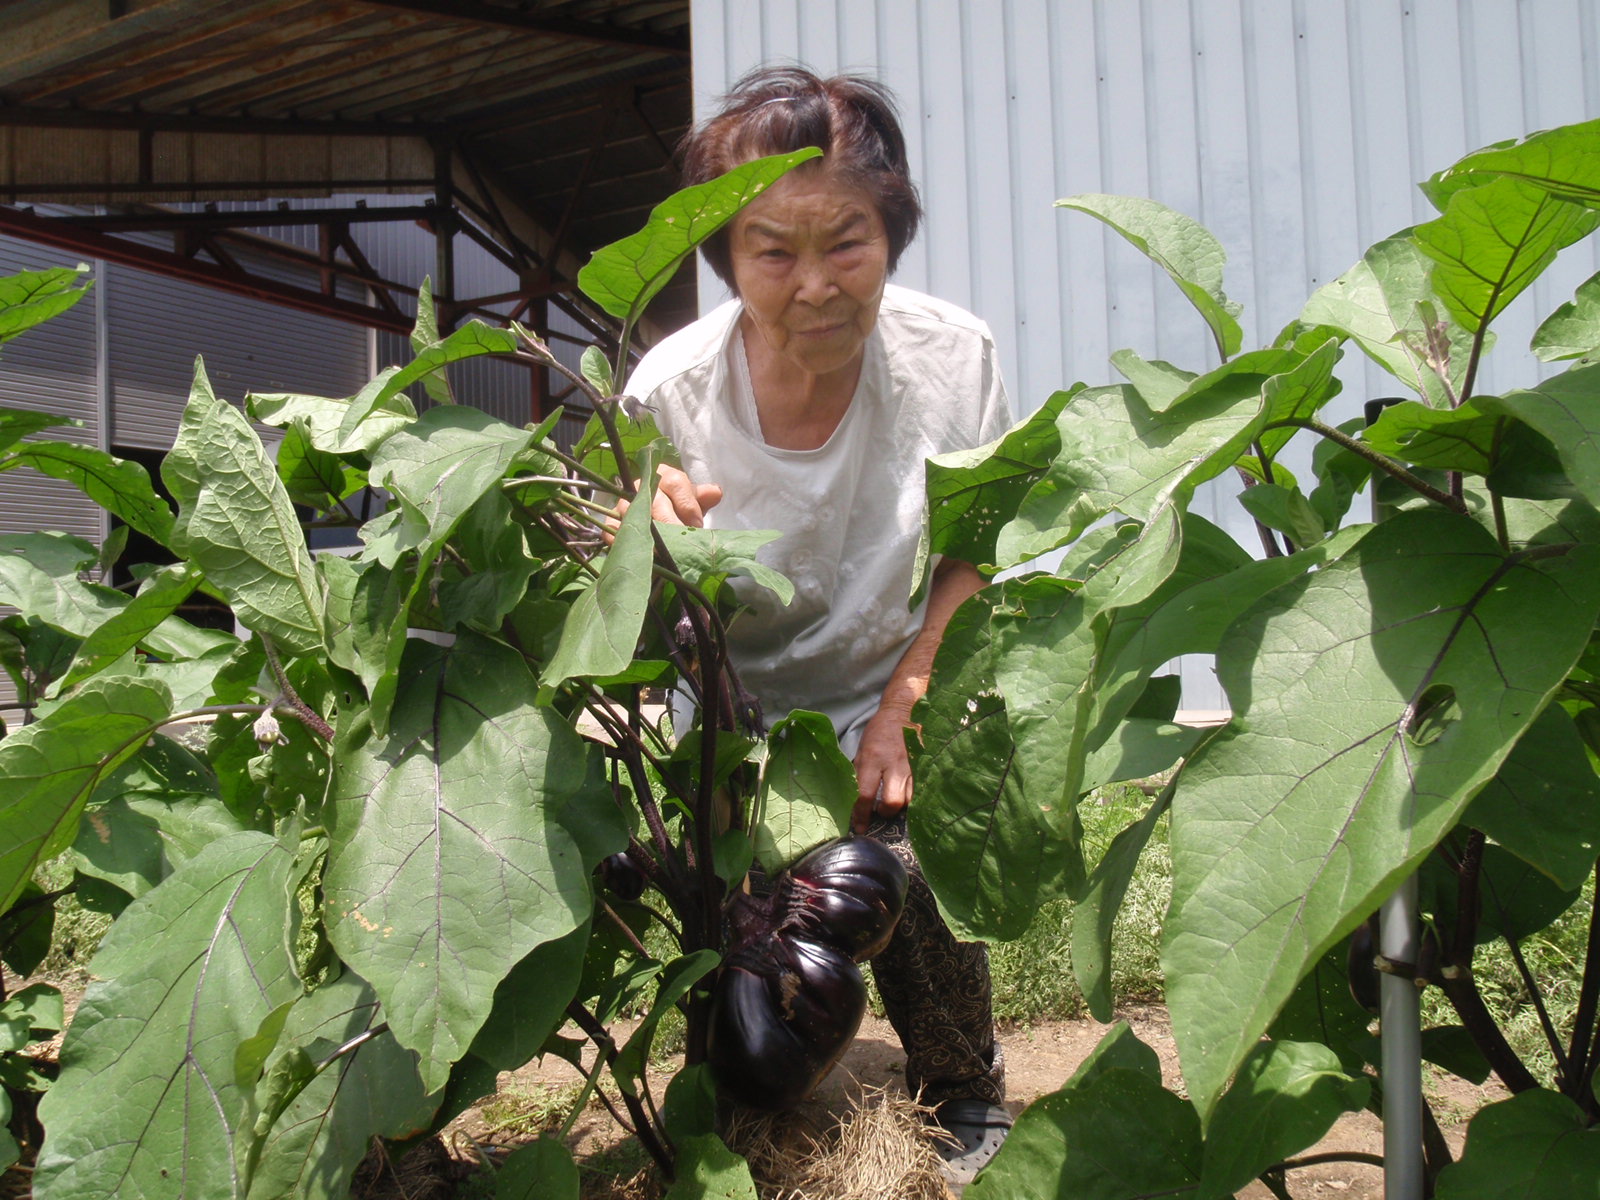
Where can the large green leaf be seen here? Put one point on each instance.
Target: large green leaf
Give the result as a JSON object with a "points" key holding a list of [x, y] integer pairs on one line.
{"points": [[236, 523], [315, 478], [424, 337], [1214, 582], [1573, 330], [1537, 1143], [1299, 391], [1453, 439], [531, 1003], [29, 298], [154, 812], [39, 575], [1493, 241], [602, 627], [460, 841], [1181, 247], [470, 341], [117, 485], [442, 464], [158, 598], [320, 1132], [1114, 1135], [1563, 161], [624, 277], [989, 853], [708, 1170], [1544, 805], [1384, 302], [18, 423], [1285, 509], [1565, 410], [375, 636], [1160, 383], [495, 564], [148, 1104], [52, 766], [1045, 645], [542, 1169], [1429, 652], [1286, 1096], [1117, 455], [323, 417], [808, 789], [1096, 911], [708, 557]]}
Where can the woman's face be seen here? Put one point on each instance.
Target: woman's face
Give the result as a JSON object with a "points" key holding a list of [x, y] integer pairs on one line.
{"points": [[810, 259]]}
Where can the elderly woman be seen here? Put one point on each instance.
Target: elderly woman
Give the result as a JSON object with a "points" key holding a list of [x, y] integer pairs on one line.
{"points": [[808, 404]]}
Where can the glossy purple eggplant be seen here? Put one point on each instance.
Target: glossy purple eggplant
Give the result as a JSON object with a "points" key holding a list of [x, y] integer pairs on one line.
{"points": [[782, 1013], [847, 893]]}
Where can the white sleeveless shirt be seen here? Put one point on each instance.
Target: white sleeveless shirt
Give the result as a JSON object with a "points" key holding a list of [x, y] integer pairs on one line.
{"points": [[851, 512]]}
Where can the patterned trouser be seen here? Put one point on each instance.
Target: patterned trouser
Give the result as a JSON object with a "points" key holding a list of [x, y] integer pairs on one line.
{"points": [[937, 994]]}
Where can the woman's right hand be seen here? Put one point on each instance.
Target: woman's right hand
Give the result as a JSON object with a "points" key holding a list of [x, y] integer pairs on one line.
{"points": [[678, 500]]}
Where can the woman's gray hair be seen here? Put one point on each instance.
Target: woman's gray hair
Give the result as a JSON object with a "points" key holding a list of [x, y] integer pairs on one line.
{"points": [[777, 110]]}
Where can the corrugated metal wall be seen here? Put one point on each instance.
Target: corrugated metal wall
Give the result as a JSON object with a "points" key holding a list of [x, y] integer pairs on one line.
{"points": [[157, 326], [52, 368], [1294, 129]]}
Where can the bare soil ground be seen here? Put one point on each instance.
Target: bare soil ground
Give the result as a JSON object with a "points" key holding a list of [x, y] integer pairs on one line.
{"points": [[1039, 1057]]}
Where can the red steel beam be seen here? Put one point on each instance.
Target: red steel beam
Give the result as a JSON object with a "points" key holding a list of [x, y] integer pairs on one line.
{"points": [[89, 244]]}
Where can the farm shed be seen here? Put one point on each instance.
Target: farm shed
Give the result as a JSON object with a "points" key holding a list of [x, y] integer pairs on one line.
{"points": [[228, 168]]}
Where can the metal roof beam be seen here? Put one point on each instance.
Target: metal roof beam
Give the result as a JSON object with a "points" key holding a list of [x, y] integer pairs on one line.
{"points": [[252, 219], [90, 244], [559, 27], [72, 118]]}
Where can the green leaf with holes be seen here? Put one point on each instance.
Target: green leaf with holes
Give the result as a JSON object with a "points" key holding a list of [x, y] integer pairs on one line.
{"points": [[1429, 651]]}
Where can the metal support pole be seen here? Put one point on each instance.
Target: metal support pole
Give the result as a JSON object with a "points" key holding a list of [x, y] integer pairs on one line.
{"points": [[1399, 1010], [1400, 1026]]}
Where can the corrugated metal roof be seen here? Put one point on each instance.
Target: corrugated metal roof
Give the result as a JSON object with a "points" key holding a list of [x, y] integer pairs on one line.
{"points": [[568, 109]]}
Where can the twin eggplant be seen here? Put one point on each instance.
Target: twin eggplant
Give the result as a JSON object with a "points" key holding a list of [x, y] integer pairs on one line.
{"points": [[790, 997]]}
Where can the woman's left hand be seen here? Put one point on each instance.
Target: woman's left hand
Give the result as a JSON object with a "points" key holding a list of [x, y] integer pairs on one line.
{"points": [[883, 770], [883, 767]]}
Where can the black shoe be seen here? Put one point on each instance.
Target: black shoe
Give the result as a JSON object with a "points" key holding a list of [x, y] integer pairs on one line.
{"points": [[975, 1130]]}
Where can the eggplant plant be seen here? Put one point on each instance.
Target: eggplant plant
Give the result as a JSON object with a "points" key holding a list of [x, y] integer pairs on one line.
{"points": [[1411, 695], [411, 822]]}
